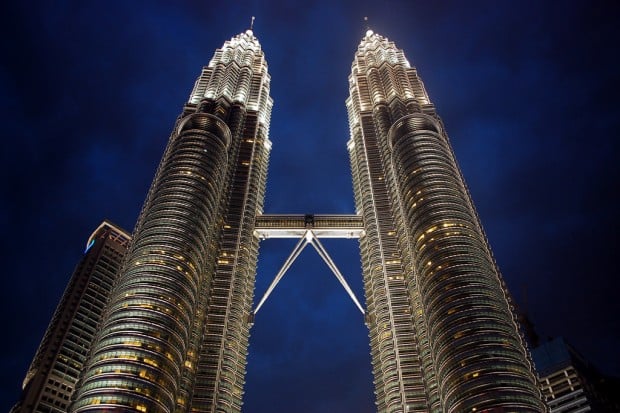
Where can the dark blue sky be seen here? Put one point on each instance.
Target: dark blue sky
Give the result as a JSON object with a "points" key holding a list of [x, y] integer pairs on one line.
{"points": [[528, 91]]}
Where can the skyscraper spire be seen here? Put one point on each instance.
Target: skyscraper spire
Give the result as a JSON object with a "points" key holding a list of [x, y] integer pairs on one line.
{"points": [[369, 32]]}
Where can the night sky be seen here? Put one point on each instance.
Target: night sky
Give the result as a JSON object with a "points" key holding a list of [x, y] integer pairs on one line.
{"points": [[528, 92]]}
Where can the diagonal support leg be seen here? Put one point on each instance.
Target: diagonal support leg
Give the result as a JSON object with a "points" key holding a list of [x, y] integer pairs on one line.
{"points": [[303, 241], [330, 263]]}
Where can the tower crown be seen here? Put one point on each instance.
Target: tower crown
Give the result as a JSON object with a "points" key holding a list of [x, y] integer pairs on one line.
{"points": [[381, 74], [245, 40], [237, 73], [377, 49]]}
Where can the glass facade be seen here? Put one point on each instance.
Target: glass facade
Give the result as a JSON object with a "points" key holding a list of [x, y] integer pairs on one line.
{"points": [[444, 337], [55, 369]]}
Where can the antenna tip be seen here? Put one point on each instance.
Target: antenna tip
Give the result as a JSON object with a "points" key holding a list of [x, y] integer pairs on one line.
{"points": [[368, 31]]}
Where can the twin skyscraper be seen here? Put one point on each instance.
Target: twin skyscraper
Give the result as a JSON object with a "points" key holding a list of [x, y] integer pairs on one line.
{"points": [[173, 333]]}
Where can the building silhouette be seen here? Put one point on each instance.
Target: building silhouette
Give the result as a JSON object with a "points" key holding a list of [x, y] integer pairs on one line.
{"points": [[174, 333], [55, 369]]}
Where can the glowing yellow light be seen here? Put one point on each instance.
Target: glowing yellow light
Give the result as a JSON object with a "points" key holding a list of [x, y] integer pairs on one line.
{"points": [[151, 362]]}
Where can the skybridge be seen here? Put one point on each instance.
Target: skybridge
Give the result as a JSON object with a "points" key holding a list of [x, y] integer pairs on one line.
{"points": [[308, 229]]}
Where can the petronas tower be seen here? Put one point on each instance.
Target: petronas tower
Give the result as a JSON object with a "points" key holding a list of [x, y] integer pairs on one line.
{"points": [[175, 332], [443, 333], [173, 336]]}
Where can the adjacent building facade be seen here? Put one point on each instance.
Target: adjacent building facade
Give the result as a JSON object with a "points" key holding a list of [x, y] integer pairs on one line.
{"points": [[570, 383], [174, 334], [57, 364]]}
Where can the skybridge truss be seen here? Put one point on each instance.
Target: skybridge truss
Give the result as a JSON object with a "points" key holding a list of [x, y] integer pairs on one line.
{"points": [[308, 229]]}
